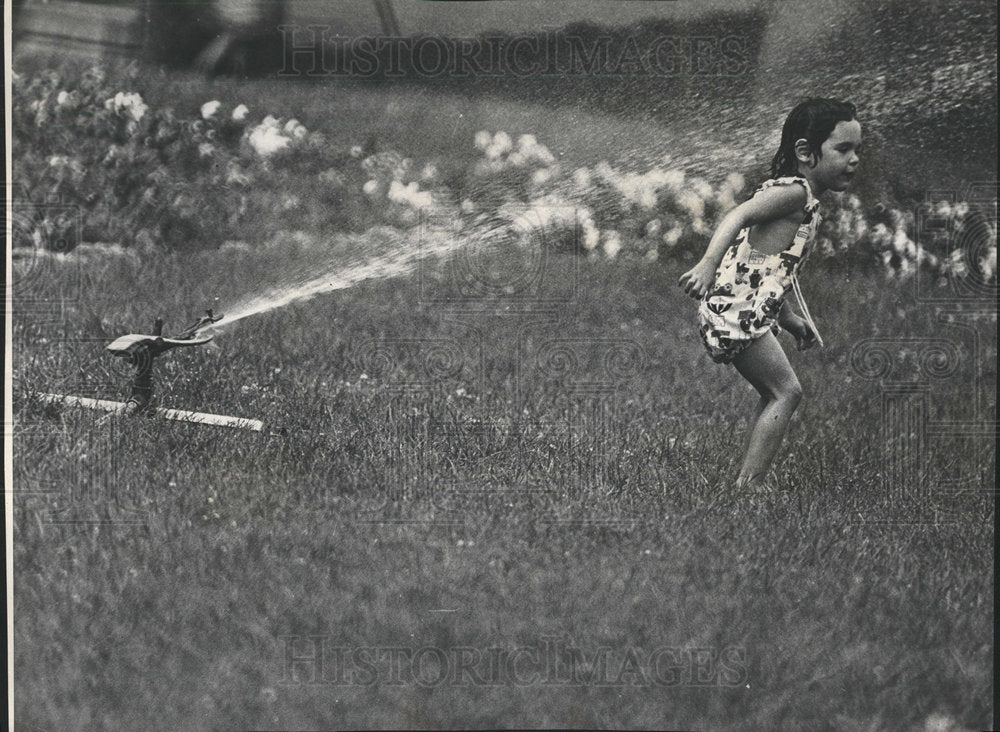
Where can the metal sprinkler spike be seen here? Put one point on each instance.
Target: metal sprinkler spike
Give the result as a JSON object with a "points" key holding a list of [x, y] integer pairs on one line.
{"points": [[141, 351]]}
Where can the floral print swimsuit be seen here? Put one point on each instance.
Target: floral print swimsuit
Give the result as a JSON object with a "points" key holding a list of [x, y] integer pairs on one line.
{"points": [[750, 286]]}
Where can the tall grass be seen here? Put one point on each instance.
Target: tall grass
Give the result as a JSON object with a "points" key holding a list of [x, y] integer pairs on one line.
{"points": [[375, 510]]}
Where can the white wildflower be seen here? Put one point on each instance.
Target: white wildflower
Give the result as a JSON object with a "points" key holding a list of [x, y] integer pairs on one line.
{"points": [[988, 264], [130, 103], [591, 236], [647, 198], [735, 182], [205, 149], [725, 199], [541, 176], [899, 241], [488, 167], [581, 177], [526, 142], [673, 236], [701, 188], [653, 228], [429, 173], [503, 142], [356, 151], [482, 140], [528, 221], [240, 113], [859, 227], [612, 243], [409, 195], [371, 187], [267, 140], [235, 175], [956, 263], [62, 98], [672, 179], [542, 155], [881, 236], [468, 206], [208, 109], [692, 203], [605, 171], [897, 218]]}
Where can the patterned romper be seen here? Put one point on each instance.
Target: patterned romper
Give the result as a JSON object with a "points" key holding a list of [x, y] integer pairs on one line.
{"points": [[750, 286]]}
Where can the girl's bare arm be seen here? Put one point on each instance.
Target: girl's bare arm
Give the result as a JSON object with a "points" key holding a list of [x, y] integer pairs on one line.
{"points": [[774, 203]]}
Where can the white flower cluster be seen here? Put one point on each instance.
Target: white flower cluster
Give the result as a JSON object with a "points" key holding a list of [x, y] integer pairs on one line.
{"points": [[391, 176], [657, 205], [67, 167], [210, 111], [270, 136], [555, 216], [71, 99], [384, 167], [130, 104], [501, 154], [652, 211], [941, 230], [610, 209], [409, 195], [846, 225], [551, 211]]}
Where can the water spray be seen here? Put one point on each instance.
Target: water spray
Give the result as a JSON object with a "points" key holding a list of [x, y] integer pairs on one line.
{"points": [[141, 351]]}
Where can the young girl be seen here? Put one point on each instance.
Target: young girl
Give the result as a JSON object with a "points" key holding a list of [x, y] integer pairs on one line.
{"points": [[752, 261]]}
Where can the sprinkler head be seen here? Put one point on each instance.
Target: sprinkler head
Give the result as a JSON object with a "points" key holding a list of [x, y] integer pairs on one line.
{"points": [[141, 350]]}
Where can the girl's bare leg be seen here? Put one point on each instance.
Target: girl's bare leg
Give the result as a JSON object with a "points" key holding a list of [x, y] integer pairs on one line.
{"points": [[761, 403], [765, 365]]}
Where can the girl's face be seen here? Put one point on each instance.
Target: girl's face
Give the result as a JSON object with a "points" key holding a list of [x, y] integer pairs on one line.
{"points": [[835, 170]]}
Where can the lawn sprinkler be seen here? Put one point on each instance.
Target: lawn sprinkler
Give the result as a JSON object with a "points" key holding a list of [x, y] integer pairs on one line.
{"points": [[141, 351]]}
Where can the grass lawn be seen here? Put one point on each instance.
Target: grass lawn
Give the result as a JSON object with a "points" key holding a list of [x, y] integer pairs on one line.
{"points": [[500, 491]]}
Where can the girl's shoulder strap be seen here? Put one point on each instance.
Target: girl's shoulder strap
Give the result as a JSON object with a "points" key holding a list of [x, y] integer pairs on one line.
{"points": [[811, 202]]}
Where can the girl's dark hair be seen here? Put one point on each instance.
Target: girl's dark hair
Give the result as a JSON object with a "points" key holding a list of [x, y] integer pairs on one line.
{"points": [[812, 120]]}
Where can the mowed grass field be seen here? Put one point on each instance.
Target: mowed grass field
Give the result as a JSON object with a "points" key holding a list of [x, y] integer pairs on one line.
{"points": [[471, 471]]}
